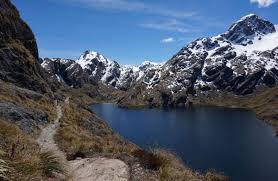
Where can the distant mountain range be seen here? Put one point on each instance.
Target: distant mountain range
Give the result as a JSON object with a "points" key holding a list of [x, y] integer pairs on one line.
{"points": [[93, 67], [239, 61]]}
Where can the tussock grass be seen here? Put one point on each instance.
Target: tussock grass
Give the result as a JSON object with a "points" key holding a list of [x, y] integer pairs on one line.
{"points": [[3, 167], [51, 165], [149, 159], [23, 156], [169, 167], [22, 153], [83, 134]]}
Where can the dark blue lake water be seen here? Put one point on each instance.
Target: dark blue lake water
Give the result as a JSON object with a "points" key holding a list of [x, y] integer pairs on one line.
{"points": [[231, 141]]}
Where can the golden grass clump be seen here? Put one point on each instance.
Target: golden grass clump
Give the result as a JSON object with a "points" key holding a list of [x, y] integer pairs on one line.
{"points": [[51, 165], [3, 167], [22, 153], [23, 156], [169, 167]]}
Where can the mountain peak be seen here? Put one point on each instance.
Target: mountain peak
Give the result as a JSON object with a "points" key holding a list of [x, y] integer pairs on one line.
{"points": [[88, 54], [88, 57], [249, 16], [248, 28]]}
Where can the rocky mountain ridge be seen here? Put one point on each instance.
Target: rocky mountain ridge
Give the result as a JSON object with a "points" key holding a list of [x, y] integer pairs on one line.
{"points": [[92, 67], [239, 61]]}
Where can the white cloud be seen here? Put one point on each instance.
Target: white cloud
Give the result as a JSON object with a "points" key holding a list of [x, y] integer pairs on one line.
{"points": [[138, 6], [169, 25], [168, 40], [263, 3]]}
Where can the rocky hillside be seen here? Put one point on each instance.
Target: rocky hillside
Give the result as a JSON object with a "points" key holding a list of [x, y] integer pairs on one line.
{"points": [[37, 112], [18, 52], [239, 61], [93, 68]]}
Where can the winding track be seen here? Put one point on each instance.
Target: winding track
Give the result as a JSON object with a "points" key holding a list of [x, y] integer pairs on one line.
{"points": [[46, 138], [97, 169]]}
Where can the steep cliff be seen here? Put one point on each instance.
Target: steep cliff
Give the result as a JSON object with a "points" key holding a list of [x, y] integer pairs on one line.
{"points": [[19, 62]]}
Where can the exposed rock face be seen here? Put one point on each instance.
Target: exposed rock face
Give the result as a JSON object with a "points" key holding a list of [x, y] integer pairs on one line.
{"points": [[27, 120], [234, 62], [250, 26], [130, 75], [18, 51], [111, 73], [66, 71], [94, 68], [14, 28], [100, 68]]}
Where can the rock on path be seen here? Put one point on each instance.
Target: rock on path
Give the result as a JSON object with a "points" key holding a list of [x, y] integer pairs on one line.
{"points": [[99, 169]]}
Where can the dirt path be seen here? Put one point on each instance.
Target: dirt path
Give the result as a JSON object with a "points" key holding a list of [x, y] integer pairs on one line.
{"points": [[96, 169], [47, 143], [46, 139]]}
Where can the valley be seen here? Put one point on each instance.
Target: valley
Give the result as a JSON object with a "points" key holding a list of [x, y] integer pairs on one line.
{"points": [[48, 130]]}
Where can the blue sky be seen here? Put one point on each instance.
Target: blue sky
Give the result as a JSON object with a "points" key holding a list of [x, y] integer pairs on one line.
{"points": [[131, 31]]}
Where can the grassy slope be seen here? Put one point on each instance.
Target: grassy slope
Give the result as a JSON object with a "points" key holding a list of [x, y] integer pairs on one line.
{"points": [[22, 154], [83, 134]]}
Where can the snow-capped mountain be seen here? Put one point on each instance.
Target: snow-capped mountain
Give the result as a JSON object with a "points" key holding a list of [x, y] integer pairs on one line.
{"points": [[66, 71], [239, 61], [99, 67], [132, 74], [94, 67], [248, 29], [111, 73]]}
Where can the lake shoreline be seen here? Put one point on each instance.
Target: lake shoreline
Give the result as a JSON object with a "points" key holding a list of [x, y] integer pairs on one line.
{"points": [[120, 121]]}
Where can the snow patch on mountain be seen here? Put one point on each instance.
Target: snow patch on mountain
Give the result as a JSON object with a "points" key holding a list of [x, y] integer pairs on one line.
{"points": [[111, 73], [267, 42], [131, 74], [244, 31], [85, 59], [238, 60], [59, 78]]}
